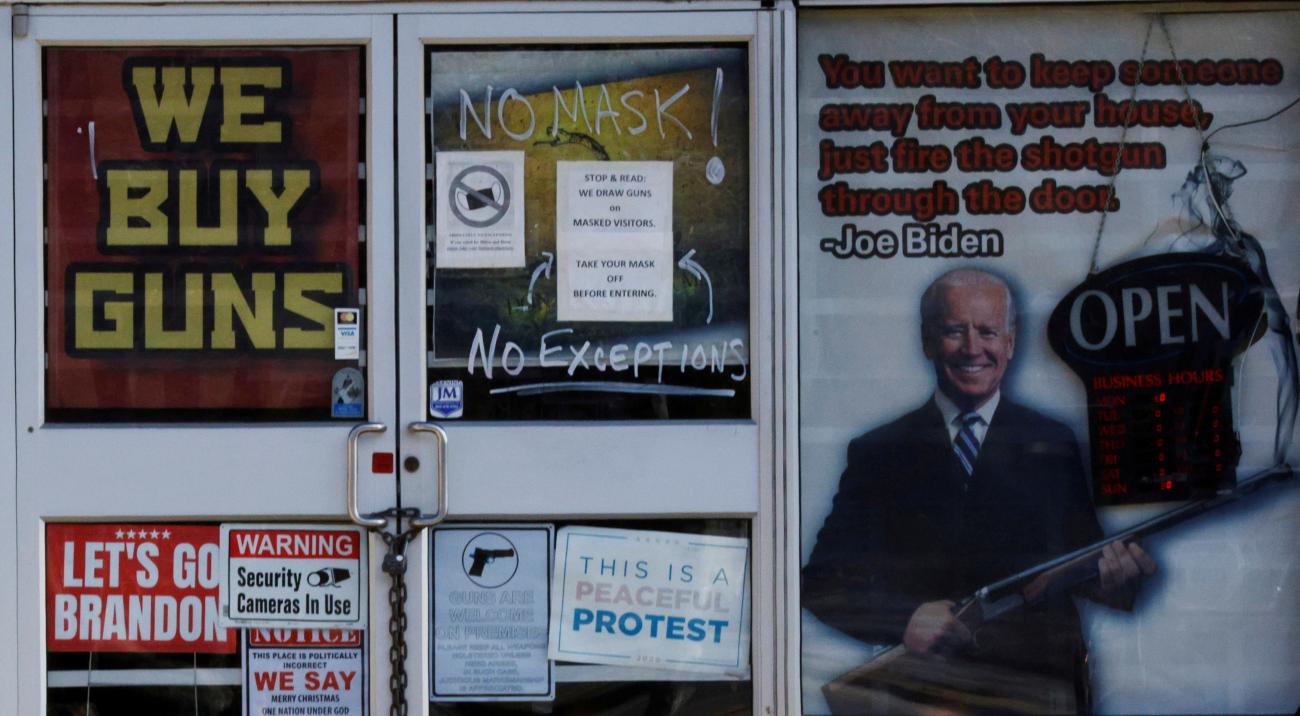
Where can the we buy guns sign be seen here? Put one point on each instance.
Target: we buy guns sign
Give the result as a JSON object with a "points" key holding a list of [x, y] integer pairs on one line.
{"points": [[204, 209], [133, 587]]}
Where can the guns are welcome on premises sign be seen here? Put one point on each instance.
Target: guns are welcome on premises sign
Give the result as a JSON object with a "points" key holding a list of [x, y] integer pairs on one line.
{"points": [[489, 610]]}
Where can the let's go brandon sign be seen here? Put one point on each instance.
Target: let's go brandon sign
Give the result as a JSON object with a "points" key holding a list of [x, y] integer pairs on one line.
{"points": [[203, 213], [133, 587]]}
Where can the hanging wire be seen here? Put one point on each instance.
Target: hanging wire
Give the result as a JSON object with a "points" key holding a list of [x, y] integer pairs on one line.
{"points": [[90, 660], [1248, 248], [1200, 131], [1119, 156], [1220, 209], [1182, 82], [196, 683], [1249, 122]]}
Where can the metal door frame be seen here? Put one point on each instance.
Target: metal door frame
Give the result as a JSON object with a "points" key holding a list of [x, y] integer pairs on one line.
{"points": [[135, 464], [556, 489]]}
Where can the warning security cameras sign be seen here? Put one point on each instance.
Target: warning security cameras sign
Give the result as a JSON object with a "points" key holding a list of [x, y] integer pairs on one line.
{"points": [[292, 575]]}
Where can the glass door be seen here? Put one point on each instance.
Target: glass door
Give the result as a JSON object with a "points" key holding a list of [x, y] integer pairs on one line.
{"points": [[583, 245], [203, 267], [250, 294]]}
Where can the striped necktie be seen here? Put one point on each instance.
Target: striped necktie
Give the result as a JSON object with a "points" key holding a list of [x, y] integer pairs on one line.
{"points": [[966, 445]]}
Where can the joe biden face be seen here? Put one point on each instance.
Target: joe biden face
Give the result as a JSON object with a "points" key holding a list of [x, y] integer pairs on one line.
{"points": [[970, 343]]}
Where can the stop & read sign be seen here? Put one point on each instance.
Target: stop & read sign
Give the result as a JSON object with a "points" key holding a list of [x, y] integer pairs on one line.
{"points": [[292, 575]]}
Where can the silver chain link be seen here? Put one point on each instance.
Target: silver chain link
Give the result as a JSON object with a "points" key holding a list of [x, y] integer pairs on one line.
{"points": [[395, 565]]}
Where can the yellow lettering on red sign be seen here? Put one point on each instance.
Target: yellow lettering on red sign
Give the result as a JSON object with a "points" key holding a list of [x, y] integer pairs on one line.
{"points": [[285, 311]]}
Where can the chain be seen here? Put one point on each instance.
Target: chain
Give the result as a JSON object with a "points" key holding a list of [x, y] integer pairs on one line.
{"points": [[1119, 156], [395, 566]]}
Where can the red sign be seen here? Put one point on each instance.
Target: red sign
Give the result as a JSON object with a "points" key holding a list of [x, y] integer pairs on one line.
{"points": [[204, 209], [142, 587], [304, 637], [294, 544]]}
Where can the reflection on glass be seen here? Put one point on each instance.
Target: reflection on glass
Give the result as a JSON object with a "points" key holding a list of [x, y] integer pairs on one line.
{"points": [[204, 211], [613, 282]]}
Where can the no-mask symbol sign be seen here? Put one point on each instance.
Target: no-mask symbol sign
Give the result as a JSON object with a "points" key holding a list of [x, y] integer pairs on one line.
{"points": [[479, 196], [480, 216]]}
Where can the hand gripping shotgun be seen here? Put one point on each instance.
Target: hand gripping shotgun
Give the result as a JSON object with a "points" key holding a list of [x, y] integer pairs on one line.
{"points": [[878, 684]]}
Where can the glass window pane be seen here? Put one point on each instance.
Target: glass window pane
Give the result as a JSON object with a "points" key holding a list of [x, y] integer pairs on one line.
{"points": [[677, 694], [204, 213], [610, 278], [1047, 293]]}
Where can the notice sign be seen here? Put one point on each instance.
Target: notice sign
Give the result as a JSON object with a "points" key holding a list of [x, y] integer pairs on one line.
{"points": [[293, 575], [293, 672], [490, 607], [614, 236], [112, 587], [633, 597], [479, 215]]}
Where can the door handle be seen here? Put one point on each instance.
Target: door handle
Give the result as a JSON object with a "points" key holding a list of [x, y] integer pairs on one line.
{"points": [[440, 474], [353, 513]]}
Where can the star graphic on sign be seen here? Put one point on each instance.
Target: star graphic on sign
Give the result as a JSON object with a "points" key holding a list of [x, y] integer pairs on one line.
{"points": [[120, 533], [153, 534], [166, 534], [131, 534]]}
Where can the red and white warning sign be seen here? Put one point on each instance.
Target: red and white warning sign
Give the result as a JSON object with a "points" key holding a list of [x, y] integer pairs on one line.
{"points": [[133, 587], [292, 672], [291, 575]]}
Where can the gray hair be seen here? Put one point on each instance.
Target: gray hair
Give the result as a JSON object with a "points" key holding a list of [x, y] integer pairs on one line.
{"points": [[932, 299]]}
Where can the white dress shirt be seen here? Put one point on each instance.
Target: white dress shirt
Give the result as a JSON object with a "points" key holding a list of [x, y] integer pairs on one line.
{"points": [[952, 415]]}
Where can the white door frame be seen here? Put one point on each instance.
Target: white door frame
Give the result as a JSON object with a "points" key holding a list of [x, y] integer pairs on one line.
{"points": [[484, 480], [93, 472], [8, 506], [679, 468], [714, 469]]}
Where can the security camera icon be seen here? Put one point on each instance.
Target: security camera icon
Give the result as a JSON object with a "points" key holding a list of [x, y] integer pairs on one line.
{"points": [[328, 577]]}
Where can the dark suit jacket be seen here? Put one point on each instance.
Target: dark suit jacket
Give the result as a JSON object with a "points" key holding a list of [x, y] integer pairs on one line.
{"points": [[908, 526]]}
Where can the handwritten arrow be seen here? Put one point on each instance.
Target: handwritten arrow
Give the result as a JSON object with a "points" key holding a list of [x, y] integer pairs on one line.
{"points": [[698, 272], [542, 268]]}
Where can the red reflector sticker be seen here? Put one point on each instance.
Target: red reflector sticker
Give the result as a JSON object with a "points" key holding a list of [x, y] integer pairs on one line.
{"points": [[381, 462]]}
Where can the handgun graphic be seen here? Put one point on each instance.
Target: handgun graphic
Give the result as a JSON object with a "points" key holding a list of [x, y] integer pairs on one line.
{"points": [[482, 557]]}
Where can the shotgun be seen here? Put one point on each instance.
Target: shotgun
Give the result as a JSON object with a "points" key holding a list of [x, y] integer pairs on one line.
{"points": [[1068, 571], [895, 669]]}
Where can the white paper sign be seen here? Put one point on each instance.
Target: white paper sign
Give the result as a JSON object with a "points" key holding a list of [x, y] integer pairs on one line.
{"points": [[293, 575], [479, 209], [347, 333], [661, 599], [490, 608], [614, 239], [288, 672]]}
